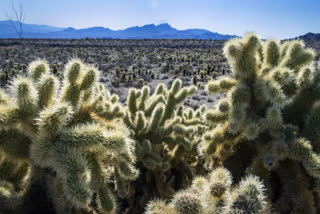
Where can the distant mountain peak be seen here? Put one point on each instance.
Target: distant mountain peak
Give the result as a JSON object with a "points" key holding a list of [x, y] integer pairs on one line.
{"points": [[164, 25], [310, 36], [69, 29]]}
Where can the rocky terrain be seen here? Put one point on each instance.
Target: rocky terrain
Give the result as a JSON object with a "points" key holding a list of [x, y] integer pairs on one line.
{"points": [[126, 63]]}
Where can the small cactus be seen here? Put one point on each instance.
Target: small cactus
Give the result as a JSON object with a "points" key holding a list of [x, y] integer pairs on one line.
{"points": [[215, 194]]}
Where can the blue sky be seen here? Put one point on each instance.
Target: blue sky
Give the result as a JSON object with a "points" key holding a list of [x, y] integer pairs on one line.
{"points": [[270, 18]]}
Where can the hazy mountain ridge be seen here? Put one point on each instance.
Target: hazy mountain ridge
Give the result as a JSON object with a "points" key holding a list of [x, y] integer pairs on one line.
{"points": [[310, 36], [151, 31]]}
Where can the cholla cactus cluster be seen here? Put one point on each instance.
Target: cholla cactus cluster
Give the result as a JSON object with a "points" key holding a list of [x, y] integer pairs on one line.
{"points": [[70, 135], [79, 140], [213, 194], [272, 107], [166, 134]]}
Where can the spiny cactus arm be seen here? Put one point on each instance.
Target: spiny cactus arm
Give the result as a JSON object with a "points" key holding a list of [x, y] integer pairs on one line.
{"points": [[199, 184], [284, 49], [178, 140], [158, 206], [38, 68], [71, 91], [13, 185], [8, 196], [240, 103], [15, 144], [274, 118], [4, 98], [176, 96], [128, 121], [150, 159], [199, 113], [217, 191], [105, 199], [271, 54], [237, 116], [140, 123], [297, 111], [71, 94], [272, 92], [132, 101], [219, 142], [250, 197], [160, 89], [286, 79], [169, 125], [152, 104], [71, 169], [186, 203], [312, 124], [241, 55], [112, 111], [127, 171], [72, 71], [52, 119], [176, 86], [297, 56], [121, 187], [56, 194], [301, 150], [108, 108], [9, 116], [94, 136], [181, 129], [156, 118], [252, 130], [211, 140], [99, 177], [193, 122], [26, 98], [221, 174], [87, 95], [224, 84], [305, 78], [89, 79], [144, 96], [114, 98], [215, 116], [47, 90], [183, 93]]}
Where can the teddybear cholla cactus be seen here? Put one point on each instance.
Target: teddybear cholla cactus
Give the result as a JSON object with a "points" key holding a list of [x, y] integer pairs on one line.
{"points": [[272, 110], [71, 133], [213, 195], [165, 135]]}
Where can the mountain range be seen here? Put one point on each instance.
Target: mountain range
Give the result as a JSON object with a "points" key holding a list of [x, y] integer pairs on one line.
{"points": [[150, 31], [310, 36]]}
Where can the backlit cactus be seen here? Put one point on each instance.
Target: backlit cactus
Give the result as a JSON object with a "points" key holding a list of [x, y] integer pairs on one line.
{"points": [[267, 117], [72, 143], [166, 134], [202, 198], [70, 135]]}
